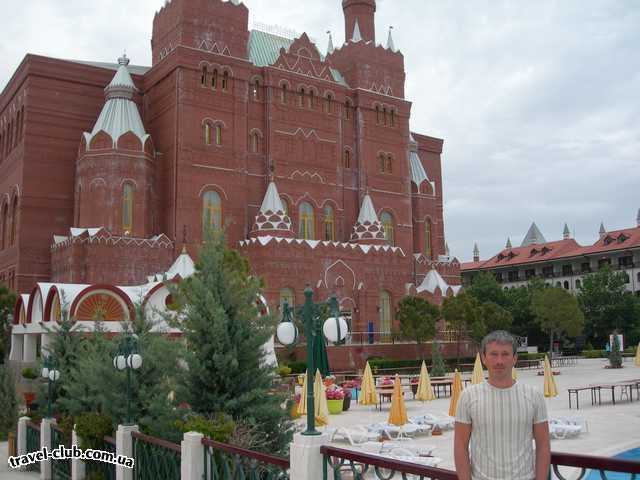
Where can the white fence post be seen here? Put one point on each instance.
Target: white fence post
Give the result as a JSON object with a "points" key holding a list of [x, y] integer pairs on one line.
{"points": [[77, 465], [22, 435], [46, 435], [192, 456], [124, 446], [306, 459]]}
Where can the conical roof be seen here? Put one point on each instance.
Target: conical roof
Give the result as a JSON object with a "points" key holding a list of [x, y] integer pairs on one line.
{"points": [[120, 113], [357, 36], [390, 45], [367, 212], [272, 202], [330, 48], [602, 230], [183, 266], [534, 235], [368, 228], [566, 233], [508, 245]]}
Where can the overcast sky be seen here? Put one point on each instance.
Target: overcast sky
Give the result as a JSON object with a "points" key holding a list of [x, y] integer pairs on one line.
{"points": [[538, 101]]}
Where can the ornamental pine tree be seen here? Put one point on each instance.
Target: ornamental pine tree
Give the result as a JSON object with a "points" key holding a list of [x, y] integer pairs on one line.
{"points": [[225, 337], [8, 402], [438, 368]]}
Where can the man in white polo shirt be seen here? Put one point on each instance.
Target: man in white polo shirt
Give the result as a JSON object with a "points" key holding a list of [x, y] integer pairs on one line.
{"points": [[498, 421]]}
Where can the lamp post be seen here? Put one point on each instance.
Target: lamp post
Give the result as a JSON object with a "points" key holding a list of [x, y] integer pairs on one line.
{"points": [[335, 329], [127, 358], [52, 375]]}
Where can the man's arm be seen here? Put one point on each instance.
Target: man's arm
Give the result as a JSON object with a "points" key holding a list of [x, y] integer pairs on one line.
{"points": [[543, 450], [462, 434]]}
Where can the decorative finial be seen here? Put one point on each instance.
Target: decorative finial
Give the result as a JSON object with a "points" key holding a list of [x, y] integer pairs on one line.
{"points": [[476, 253], [566, 233], [602, 232], [124, 60], [330, 48], [390, 44], [508, 245]]}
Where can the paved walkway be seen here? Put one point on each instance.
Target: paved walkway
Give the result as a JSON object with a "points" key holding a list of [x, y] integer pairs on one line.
{"points": [[8, 473], [612, 428]]}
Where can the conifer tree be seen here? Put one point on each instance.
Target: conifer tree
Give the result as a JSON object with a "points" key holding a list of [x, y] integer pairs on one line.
{"points": [[225, 339], [8, 402]]}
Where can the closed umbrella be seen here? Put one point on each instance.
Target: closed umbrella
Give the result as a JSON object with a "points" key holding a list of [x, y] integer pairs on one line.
{"points": [[368, 393], [637, 361], [302, 406], [425, 391], [478, 373], [550, 389], [456, 390], [398, 412], [320, 401], [320, 358]]}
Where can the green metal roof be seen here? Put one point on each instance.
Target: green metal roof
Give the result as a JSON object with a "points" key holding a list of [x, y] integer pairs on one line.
{"points": [[264, 50]]}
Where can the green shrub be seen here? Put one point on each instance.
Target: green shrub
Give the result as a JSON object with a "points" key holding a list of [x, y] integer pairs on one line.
{"points": [[284, 370], [530, 356], [594, 353], [92, 428], [30, 373], [8, 402], [297, 367], [218, 427]]}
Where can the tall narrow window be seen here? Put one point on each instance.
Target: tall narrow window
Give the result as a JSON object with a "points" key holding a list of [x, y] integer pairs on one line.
{"points": [[283, 94], [256, 89], [377, 114], [347, 109], [312, 99], [211, 211], [393, 118], [347, 159], [5, 226], [285, 205], [255, 142], [385, 315], [214, 79], [225, 81], [382, 163], [388, 225], [127, 207], [18, 126], [328, 102], [204, 77], [301, 98], [389, 164], [218, 135], [329, 224], [384, 115], [306, 221], [207, 133], [427, 238], [14, 222]]}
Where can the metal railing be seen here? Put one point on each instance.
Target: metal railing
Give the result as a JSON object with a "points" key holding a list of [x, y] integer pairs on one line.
{"points": [[33, 444], [102, 470], [155, 458], [60, 469], [358, 466], [228, 462]]}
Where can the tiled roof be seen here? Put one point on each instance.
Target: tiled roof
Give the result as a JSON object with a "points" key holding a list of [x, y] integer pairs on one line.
{"points": [[561, 249]]}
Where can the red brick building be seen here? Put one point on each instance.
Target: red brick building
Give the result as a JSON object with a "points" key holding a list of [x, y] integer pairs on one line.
{"points": [[107, 170]]}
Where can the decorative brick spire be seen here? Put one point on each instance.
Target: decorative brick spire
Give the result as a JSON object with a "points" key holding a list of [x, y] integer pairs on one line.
{"points": [[602, 232], [359, 16], [508, 245], [272, 220], [566, 233], [476, 253], [368, 228]]}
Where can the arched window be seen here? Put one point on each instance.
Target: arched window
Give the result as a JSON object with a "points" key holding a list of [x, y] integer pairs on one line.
{"points": [[211, 211], [283, 94], [255, 142], [306, 221], [204, 77], [328, 103], [378, 114], [218, 135], [347, 109], [5, 226], [214, 79], [301, 98], [393, 118], [225, 81], [285, 205], [389, 164], [347, 159], [382, 163], [255, 89], [329, 224], [287, 295], [428, 249], [127, 207], [566, 285], [14, 222], [312, 99], [558, 285], [384, 115], [388, 225], [207, 133], [385, 315]]}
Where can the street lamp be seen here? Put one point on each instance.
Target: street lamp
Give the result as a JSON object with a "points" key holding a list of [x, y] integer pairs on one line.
{"points": [[335, 328], [52, 375], [127, 358]]}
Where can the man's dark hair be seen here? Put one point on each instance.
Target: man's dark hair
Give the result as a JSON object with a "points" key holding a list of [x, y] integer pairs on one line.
{"points": [[499, 336]]}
